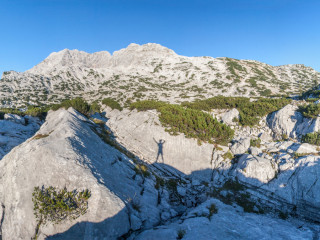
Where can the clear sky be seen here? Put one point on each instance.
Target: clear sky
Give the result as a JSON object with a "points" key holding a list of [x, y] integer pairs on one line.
{"points": [[276, 32]]}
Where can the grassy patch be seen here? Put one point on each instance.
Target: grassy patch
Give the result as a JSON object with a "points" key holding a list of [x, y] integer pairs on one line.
{"points": [[112, 103], [212, 209]]}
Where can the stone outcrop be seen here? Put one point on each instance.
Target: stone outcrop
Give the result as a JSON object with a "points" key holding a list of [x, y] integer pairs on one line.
{"points": [[68, 153], [288, 122], [142, 133], [231, 117], [15, 129], [240, 145]]}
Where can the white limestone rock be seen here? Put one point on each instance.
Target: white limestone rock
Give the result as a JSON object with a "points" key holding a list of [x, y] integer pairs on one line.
{"points": [[14, 131], [228, 223], [72, 156], [142, 133], [291, 123], [255, 151], [255, 168], [240, 146], [306, 148], [14, 118], [229, 117]]}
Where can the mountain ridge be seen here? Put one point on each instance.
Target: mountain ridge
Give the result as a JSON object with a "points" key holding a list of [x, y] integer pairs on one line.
{"points": [[148, 71]]}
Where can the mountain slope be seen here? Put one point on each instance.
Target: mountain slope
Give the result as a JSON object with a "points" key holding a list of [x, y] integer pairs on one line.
{"points": [[148, 71]]}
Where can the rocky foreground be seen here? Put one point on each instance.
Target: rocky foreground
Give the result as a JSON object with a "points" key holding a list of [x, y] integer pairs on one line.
{"points": [[244, 190]]}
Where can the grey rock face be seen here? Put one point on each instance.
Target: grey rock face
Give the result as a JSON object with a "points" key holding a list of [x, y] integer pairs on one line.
{"points": [[306, 148], [252, 167], [240, 146], [227, 223], [73, 156], [230, 116], [142, 133], [14, 131], [291, 123], [14, 118]]}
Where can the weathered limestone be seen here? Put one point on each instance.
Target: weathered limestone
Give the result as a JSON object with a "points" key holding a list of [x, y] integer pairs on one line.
{"points": [[142, 133], [230, 116], [73, 156]]}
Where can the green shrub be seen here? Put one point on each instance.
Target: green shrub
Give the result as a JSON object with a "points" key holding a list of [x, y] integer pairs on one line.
{"points": [[194, 124], [255, 143], [310, 111], [95, 107], [191, 122], [312, 138], [212, 209], [112, 103], [250, 112], [4, 111], [78, 104], [181, 234], [34, 111], [147, 105], [54, 205]]}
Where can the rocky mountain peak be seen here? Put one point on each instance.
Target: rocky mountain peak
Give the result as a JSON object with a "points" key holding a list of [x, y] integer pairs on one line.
{"points": [[71, 58], [147, 50]]}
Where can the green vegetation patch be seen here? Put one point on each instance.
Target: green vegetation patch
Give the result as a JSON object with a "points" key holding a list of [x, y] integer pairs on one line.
{"points": [[255, 142], [310, 110], [147, 105], [112, 103], [192, 122], [312, 138], [56, 205], [77, 103], [250, 112]]}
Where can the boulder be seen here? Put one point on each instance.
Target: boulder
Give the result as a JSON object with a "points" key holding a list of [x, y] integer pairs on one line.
{"points": [[230, 116], [306, 148], [288, 122], [251, 168], [255, 151], [240, 146]]}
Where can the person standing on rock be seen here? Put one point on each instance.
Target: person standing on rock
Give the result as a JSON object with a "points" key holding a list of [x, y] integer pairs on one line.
{"points": [[160, 148]]}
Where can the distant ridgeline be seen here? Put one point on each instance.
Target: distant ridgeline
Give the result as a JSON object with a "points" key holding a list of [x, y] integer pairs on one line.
{"points": [[150, 71]]}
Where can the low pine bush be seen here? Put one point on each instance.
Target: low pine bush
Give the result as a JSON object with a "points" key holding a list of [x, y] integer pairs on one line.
{"points": [[310, 111], [250, 112], [192, 122], [312, 138], [77, 103], [112, 103]]}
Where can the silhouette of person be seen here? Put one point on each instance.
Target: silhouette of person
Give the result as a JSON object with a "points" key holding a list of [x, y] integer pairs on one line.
{"points": [[160, 148]]}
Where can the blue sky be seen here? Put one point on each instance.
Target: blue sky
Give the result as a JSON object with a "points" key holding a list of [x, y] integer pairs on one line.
{"points": [[275, 31]]}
